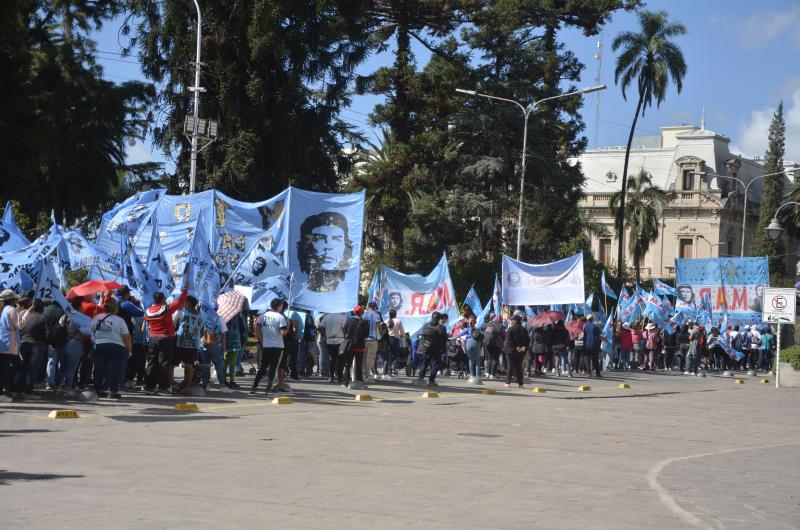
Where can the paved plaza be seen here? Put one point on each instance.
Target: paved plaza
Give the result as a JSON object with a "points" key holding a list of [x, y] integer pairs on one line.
{"points": [[671, 451]]}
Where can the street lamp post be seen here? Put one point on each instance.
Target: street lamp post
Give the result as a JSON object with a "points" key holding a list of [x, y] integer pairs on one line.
{"points": [[196, 110], [526, 112], [710, 245], [746, 189]]}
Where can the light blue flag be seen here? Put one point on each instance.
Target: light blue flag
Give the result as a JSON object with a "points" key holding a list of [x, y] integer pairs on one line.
{"points": [[324, 249], [49, 280], [497, 296], [416, 297], [601, 312], [139, 280], [75, 316], [660, 287], [11, 237], [201, 276], [484, 314], [605, 287], [373, 291], [20, 268], [156, 264], [126, 218], [530, 312], [262, 272], [607, 335], [624, 296], [76, 252], [472, 301]]}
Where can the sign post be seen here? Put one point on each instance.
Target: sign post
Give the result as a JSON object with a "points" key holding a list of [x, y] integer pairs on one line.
{"points": [[779, 308]]}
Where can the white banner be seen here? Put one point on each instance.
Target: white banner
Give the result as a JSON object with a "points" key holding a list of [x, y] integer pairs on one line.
{"points": [[560, 282]]}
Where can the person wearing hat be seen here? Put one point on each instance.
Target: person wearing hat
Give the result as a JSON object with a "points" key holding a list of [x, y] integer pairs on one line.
{"points": [[625, 346], [432, 344], [652, 343], [515, 348], [356, 330], [9, 342]]}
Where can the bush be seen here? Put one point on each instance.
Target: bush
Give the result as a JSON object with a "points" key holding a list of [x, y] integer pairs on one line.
{"points": [[791, 355]]}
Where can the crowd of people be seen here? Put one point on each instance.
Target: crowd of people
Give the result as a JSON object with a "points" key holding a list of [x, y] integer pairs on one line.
{"points": [[129, 347]]}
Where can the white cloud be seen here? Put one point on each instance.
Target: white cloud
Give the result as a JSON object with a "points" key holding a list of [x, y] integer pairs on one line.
{"points": [[752, 138], [762, 28]]}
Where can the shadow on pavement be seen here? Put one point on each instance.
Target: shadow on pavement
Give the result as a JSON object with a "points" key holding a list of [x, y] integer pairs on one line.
{"points": [[6, 477]]}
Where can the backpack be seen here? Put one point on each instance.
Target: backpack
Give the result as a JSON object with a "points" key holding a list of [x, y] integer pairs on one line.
{"points": [[57, 336]]}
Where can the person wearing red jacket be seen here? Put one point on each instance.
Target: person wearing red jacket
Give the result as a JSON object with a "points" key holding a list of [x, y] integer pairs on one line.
{"points": [[162, 342], [625, 346]]}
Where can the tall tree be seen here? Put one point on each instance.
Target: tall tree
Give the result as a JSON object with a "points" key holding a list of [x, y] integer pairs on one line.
{"points": [[648, 59], [63, 127], [772, 195], [643, 209], [277, 74]]}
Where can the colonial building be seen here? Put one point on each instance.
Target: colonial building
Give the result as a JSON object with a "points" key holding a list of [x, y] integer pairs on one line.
{"points": [[704, 213]]}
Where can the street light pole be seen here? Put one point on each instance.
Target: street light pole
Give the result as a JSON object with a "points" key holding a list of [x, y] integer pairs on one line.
{"points": [[746, 189], [196, 111], [526, 113]]}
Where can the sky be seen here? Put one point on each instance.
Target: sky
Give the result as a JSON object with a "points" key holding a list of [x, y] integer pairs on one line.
{"points": [[739, 55]]}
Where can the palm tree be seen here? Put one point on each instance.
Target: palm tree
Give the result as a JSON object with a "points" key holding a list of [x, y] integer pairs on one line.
{"points": [[643, 211], [649, 58]]}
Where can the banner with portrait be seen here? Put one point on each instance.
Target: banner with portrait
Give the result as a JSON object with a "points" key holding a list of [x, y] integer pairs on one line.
{"points": [[415, 297], [732, 285], [324, 249], [560, 282]]}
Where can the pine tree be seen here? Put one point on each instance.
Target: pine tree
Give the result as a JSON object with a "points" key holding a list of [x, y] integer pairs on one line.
{"points": [[772, 196]]}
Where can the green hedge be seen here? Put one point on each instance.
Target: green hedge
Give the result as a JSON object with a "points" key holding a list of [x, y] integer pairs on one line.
{"points": [[791, 355]]}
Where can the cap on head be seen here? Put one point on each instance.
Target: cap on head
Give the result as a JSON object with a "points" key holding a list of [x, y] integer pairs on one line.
{"points": [[358, 310], [625, 325], [517, 313]]}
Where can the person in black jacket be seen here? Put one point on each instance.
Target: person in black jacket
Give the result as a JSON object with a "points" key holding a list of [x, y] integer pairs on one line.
{"points": [[538, 347], [515, 347], [432, 344], [560, 341], [356, 330]]}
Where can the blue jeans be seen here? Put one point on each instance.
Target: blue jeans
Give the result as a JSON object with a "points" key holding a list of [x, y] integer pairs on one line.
{"points": [[109, 361], [210, 355], [322, 364], [68, 359], [394, 353], [32, 354], [427, 361], [474, 355]]}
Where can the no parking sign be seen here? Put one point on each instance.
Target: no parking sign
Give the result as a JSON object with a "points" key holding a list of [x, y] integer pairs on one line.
{"points": [[779, 305]]}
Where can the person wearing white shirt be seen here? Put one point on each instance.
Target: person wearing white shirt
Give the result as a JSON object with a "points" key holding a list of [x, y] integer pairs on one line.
{"points": [[270, 331], [113, 347]]}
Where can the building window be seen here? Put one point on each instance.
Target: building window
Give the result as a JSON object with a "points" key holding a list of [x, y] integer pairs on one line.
{"points": [[686, 249], [605, 252], [688, 179], [730, 247]]}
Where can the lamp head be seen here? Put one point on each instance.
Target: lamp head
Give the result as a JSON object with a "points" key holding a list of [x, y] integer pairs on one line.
{"points": [[774, 229], [590, 89], [470, 92]]}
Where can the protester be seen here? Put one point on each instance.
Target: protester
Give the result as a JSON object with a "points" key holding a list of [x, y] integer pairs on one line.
{"points": [[591, 345], [296, 321], [129, 310], [356, 329], [383, 350], [765, 349], [473, 338], [538, 348], [515, 348], [652, 344], [56, 338], [332, 327], [432, 344], [397, 335], [9, 343], [692, 354], [112, 347], [69, 355], [625, 347], [493, 340], [212, 346], [162, 342], [670, 341], [235, 338], [322, 346], [271, 329], [189, 328], [33, 346], [372, 316], [561, 344], [304, 354]]}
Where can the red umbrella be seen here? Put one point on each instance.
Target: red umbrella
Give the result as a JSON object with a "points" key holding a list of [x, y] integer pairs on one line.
{"points": [[93, 287], [547, 317], [575, 327]]}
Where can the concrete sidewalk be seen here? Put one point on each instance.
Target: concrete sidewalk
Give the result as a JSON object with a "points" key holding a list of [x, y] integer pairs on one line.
{"points": [[686, 452]]}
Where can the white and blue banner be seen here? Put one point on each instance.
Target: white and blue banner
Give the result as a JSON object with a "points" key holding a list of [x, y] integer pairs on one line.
{"points": [[415, 297], [727, 285], [324, 249], [263, 273], [560, 282], [473, 302]]}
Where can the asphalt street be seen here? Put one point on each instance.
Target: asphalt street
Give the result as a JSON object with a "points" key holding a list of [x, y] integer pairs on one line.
{"points": [[671, 451]]}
